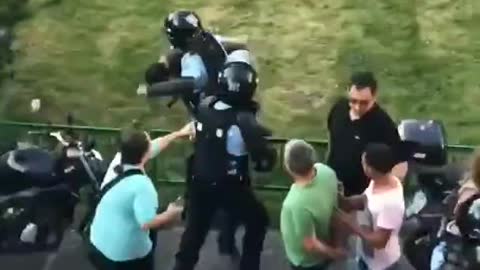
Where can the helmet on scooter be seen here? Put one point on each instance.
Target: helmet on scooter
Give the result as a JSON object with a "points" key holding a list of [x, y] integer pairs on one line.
{"points": [[181, 26], [468, 219]]}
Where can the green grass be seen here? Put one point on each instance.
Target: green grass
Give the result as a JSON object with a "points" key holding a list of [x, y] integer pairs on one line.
{"points": [[88, 57]]}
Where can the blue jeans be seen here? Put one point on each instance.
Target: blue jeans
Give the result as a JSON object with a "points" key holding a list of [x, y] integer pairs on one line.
{"points": [[438, 256]]}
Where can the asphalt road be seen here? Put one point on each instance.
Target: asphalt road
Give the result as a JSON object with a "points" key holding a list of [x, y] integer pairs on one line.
{"points": [[71, 255]]}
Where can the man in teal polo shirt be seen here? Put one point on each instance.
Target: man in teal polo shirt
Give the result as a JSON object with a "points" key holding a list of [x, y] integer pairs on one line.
{"points": [[119, 233]]}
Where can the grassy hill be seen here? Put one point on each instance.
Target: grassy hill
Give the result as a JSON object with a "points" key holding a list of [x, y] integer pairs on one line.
{"points": [[88, 57]]}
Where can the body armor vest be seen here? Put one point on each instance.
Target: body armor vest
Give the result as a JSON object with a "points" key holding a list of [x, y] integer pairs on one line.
{"points": [[212, 161]]}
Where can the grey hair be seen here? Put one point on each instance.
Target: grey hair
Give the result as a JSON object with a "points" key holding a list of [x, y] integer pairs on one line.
{"points": [[299, 157]]}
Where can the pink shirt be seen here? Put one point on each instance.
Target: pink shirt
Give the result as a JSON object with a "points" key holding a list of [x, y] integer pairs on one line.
{"points": [[386, 210]]}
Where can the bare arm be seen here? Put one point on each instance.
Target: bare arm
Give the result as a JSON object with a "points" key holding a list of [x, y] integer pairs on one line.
{"points": [[400, 170], [315, 245], [352, 203], [389, 218], [335, 249], [161, 143], [301, 224], [375, 238], [164, 219]]}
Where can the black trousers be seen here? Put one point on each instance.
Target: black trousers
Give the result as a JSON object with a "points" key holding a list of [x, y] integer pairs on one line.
{"points": [[100, 262], [236, 199], [229, 223]]}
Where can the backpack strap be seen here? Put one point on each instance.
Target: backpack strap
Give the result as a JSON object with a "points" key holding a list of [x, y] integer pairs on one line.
{"points": [[117, 180], [88, 218]]}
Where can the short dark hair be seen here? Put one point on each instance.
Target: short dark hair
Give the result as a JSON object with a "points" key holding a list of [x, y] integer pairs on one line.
{"points": [[364, 79], [380, 157], [299, 157], [134, 144]]}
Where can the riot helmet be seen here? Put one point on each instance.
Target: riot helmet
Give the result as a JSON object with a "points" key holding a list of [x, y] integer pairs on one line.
{"points": [[181, 26], [237, 83], [468, 219]]}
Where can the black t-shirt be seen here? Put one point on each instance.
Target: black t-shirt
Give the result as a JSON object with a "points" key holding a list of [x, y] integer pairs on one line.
{"points": [[348, 140]]}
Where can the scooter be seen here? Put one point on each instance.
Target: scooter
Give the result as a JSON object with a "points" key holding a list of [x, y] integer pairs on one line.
{"points": [[39, 190], [434, 182]]}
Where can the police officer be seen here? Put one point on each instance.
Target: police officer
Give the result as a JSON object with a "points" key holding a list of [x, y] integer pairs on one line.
{"points": [[227, 136], [195, 59], [186, 34], [462, 252]]}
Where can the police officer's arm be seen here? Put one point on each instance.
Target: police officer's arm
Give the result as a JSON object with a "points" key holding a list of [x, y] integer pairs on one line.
{"points": [[262, 153], [193, 76]]}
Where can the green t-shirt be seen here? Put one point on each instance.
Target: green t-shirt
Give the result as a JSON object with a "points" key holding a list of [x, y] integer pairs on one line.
{"points": [[307, 211]]}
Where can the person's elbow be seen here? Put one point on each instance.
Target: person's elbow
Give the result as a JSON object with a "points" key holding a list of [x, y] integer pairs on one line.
{"points": [[145, 210], [380, 243], [143, 219], [379, 240]]}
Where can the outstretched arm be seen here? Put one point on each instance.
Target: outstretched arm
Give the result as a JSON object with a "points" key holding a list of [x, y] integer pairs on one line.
{"points": [[160, 143], [352, 203]]}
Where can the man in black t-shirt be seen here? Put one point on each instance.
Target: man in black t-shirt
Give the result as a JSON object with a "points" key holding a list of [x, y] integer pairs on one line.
{"points": [[354, 122]]}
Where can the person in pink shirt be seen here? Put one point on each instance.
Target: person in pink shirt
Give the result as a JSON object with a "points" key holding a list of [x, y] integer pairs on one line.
{"points": [[384, 209]]}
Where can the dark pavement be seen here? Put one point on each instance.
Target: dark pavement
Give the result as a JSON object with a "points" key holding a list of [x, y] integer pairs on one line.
{"points": [[71, 255]]}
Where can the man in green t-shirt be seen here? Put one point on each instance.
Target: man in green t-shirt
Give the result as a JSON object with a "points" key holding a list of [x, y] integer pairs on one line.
{"points": [[307, 211]]}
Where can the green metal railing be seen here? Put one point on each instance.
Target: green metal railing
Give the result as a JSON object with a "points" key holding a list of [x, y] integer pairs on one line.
{"points": [[169, 167]]}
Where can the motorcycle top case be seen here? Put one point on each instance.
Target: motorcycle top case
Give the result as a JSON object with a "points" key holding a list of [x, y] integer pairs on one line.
{"points": [[428, 138]]}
